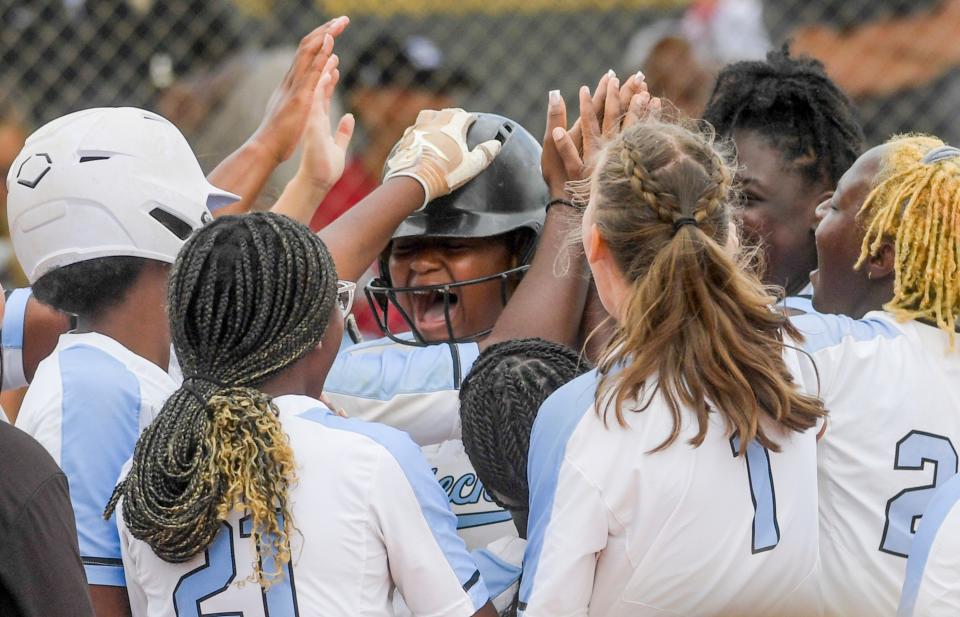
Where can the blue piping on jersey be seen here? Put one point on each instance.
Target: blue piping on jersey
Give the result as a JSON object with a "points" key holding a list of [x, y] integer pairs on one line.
{"points": [[431, 497], [945, 499], [498, 574], [100, 423], [14, 318], [479, 519], [556, 421], [821, 331], [380, 370]]}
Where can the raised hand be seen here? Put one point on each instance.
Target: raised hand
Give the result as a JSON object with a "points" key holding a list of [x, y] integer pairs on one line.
{"points": [[289, 106], [434, 152], [324, 153]]}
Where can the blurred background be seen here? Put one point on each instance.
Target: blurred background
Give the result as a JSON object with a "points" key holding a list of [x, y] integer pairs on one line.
{"points": [[210, 65]]}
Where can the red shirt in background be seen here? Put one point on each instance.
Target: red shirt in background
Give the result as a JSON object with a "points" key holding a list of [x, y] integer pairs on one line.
{"points": [[354, 185]]}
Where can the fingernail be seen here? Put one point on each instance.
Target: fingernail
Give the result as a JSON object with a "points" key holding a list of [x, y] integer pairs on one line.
{"points": [[611, 73], [584, 90], [557, 134], [640, 76], [554, 97]]}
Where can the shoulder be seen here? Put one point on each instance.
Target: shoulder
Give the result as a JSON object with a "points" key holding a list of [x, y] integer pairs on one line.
{"points": [[563, 410], [26, 469], [822, 332], [373, 436], [382, 369]]}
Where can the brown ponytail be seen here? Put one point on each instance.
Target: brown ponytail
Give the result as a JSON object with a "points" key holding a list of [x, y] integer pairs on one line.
{"points": [[697, 325]]}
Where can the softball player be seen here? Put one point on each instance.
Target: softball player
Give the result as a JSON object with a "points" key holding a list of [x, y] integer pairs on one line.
{"points": [[888, 372], [245, 478], [449, 270], [679, 476]]}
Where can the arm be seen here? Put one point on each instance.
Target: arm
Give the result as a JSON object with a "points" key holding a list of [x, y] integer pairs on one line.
{"points": [[880, 58], [41, 565], [246, 171], [563, 163], [427, 163], [428, 561]]}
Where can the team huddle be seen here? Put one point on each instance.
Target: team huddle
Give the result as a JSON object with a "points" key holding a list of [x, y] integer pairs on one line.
{"points": [[649, 365]]}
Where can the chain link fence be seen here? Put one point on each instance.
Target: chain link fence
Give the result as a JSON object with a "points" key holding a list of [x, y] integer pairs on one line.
{"points": [[210, 65]]}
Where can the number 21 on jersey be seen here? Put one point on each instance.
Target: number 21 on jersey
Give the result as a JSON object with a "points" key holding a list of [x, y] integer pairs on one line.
{"points": [[215, 577]]}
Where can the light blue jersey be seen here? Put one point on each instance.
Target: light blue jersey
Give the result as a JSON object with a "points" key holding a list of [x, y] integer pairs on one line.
{"points": [[416, 389], [11, 339], [87, 405]]}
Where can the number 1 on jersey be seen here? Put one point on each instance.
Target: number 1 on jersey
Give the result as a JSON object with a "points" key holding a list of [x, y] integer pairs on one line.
{"points": [[766, 530]]}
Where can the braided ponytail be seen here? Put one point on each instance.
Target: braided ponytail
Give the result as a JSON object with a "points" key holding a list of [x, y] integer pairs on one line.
{"points": [[696, 322], [248, 297]]}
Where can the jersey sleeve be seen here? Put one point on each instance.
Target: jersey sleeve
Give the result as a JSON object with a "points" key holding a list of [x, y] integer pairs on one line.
{"points": [[414, 389], [568, 523], [40, 565], [135, 591], [930, 588], [11, 339], [501, 566], [99, 429], [428, 561]]}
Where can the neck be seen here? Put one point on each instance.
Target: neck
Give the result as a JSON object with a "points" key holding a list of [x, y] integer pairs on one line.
{"points": [[875, 297], [520, 521], [125, 323], [796, 285]]}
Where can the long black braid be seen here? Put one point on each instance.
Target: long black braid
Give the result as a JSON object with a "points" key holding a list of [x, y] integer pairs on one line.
{"points": [[498, 403], [794, 105], [248, 297]]}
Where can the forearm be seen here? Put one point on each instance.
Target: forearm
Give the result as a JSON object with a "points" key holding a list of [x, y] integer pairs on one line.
{"points": [[548, 304], [300, 199], [358, 237], [245, 172]]}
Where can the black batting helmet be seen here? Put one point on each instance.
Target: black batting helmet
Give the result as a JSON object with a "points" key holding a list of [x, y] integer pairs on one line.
{"points": [[509, 195]]}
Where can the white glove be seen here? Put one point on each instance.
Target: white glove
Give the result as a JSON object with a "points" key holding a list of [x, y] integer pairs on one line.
{"points": [[434, 152]]}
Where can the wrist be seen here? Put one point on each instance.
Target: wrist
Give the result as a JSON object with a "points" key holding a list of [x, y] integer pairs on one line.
{"points": [[264, 148]]}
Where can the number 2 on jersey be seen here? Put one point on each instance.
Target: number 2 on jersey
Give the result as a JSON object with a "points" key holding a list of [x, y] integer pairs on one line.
{"points": [[218, 572], [766, 530], [904, 509]]}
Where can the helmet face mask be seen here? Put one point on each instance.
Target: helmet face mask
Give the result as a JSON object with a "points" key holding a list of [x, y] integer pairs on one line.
{"points": [[507, 199], [384, 299]]}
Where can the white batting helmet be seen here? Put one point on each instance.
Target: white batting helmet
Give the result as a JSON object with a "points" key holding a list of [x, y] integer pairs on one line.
{"points": [[105, 182]]}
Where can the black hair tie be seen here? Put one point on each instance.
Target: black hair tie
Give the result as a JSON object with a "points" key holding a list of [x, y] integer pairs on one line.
{"points": [[195, 392], [683, 220]]}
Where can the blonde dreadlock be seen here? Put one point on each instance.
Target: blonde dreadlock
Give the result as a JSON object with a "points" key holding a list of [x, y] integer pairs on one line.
{"points": [[248, 297], [916, 203]]}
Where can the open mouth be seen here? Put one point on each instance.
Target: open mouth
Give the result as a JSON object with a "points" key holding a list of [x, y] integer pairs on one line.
{"points": [[429, 312]]}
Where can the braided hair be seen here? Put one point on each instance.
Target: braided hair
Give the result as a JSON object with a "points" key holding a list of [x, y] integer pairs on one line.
{"points": [[249, 296], [916, 203], [794, 105], [499, 402], [695, 322]]}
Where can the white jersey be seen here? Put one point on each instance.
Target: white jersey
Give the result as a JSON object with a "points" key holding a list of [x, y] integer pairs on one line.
{"points": [[368, 515], [416, 389], [617, 531], [893, 394], [932, 585], [87, 404]]}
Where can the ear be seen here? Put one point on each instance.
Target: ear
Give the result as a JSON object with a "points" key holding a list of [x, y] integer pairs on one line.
{"points": [[594, 245], [882, 264]]}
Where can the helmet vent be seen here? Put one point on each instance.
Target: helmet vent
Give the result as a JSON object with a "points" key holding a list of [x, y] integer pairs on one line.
{"points": [[504, 133], [88, 159], [175, 225]]}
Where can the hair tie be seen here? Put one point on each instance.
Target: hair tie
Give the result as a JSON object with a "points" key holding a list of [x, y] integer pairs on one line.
{"points": [[196, 393], [683, 220], [940, 153]]}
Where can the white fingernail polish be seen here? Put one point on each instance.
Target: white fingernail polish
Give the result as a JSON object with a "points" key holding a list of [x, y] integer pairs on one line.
{"points": [[640, 76], [611, 73], [554, 97]]}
